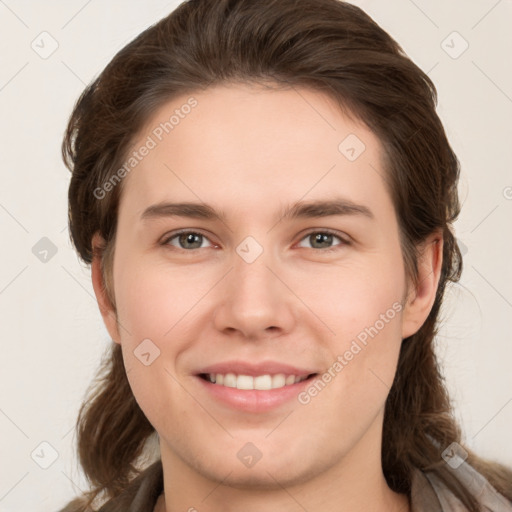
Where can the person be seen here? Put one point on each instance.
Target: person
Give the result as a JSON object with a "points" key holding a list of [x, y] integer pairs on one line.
{"points": [[266, 196]]}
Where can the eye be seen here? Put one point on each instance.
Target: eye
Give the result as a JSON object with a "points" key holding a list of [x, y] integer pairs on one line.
{"points": [[324, 237], [186, 240]]}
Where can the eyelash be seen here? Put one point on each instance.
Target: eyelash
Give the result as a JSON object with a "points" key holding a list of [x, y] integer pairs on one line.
{"points": [[343, 240]]}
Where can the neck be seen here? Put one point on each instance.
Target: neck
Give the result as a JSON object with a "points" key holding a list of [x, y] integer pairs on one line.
{"points": [[352, 484]]}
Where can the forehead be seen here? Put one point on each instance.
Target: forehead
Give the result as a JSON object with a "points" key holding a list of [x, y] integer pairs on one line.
{"points": [[235, 142]]}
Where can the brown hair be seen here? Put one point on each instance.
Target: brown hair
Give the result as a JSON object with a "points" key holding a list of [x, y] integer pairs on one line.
{"points": [[335, 48]]}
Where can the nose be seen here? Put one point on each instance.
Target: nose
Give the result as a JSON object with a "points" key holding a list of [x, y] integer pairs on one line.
{"points": [[255, 301]]}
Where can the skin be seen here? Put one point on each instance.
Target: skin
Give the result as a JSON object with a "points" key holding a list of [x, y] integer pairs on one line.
{"points": [[249, 151]]}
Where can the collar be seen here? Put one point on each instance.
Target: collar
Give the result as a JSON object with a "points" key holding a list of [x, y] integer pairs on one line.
{"points": [[430, 494]]}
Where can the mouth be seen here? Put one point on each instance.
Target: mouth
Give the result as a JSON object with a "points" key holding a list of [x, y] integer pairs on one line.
{"points": [[255, 394], [252, 386], [265, 382]]}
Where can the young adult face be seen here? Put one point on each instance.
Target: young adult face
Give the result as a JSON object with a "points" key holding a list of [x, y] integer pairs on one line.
{"points": [[260, 293]]}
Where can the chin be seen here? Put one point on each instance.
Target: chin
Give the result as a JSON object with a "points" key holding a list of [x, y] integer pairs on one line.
{"points": [[264, 475]]}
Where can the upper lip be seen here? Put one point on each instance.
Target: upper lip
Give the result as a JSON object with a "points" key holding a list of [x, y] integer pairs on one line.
{"points": [[254, 369]]}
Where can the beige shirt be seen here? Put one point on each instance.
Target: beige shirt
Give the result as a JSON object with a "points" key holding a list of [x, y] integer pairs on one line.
{"points": [[428, 493]]}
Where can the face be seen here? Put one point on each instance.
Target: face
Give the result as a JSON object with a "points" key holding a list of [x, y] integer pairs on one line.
{"points": [[285, 275]]}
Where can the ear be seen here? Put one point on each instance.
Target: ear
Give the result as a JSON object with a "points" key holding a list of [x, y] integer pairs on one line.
{"points": [[420, 298], [107, 310]]}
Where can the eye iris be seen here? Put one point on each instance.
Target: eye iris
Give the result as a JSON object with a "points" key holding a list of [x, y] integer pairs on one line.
{"points": [[322, 238], [196, 238], [185, 238]]}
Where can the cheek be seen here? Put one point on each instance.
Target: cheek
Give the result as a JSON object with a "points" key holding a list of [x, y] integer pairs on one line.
{"points": [[154, 302], [363, 311], [155, 308], [350, 298], [366, 319]]}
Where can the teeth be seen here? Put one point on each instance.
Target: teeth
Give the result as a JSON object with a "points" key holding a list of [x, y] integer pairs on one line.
{"points": [[279, 380], [261, 382], [245, 382], [230, 380]]}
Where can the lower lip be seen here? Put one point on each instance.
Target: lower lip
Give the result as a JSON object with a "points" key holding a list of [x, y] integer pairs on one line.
{"points": [[254, 400]]}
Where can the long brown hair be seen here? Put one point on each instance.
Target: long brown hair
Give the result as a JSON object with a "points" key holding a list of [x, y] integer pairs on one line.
{"points": [[335, 48]]}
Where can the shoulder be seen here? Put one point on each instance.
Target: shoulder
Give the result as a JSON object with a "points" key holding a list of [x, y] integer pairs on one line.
{"points": [[141, 494], [429, 492]]}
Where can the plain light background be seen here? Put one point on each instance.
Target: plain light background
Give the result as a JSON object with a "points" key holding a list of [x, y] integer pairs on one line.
{"points": [[52, 335]]}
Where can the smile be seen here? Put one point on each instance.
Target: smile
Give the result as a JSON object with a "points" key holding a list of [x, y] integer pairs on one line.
{"points": [[259, 382]]}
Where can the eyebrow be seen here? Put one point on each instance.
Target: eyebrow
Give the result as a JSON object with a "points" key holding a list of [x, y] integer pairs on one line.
{"points": [[298, 210]]}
